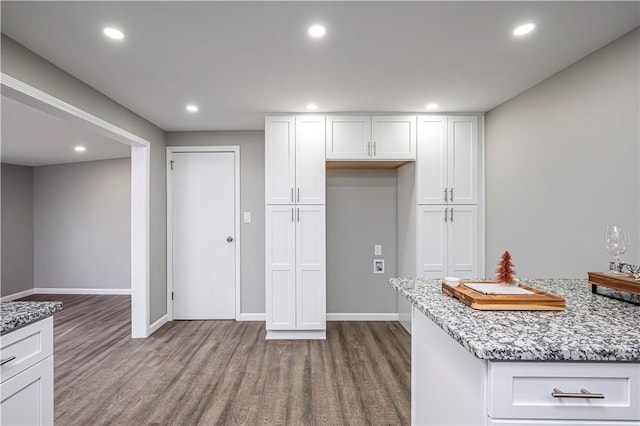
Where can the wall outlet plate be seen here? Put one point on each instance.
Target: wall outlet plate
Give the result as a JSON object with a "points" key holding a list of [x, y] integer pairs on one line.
{"points": [[378, 266], [377, 250]]}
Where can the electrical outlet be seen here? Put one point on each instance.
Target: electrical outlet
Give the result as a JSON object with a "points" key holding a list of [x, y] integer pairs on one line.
{"points": [[247, 217], [377, 250]]}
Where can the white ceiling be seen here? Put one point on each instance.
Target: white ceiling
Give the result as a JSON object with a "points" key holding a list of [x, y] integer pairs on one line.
{"points": [[239, 60], [31, 137]]}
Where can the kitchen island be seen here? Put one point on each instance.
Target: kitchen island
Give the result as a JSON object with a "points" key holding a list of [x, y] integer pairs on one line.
{"points": [[26, 352], [501, 367]]}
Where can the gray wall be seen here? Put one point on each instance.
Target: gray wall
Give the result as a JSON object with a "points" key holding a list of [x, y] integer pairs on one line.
{"points": [[251, 199], [17, 229], [82, 225], [361, 212], [28, 67], [562, 161]]}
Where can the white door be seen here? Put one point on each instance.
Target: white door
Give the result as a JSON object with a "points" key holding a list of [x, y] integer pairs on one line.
{"points": [[463, 160], [310, 268], [348, 137], [432, 241], [393, 137], [432, 160], [280, 253], [203, 231]]}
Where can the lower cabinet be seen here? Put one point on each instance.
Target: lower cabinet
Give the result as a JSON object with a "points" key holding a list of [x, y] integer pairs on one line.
{"points": [[27, 375], [573, 391], [514, 392], [447, 242], [295, 272]]}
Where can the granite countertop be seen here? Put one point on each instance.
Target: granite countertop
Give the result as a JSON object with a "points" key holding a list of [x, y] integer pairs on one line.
{"points": [[591, 328], [14, 315]]}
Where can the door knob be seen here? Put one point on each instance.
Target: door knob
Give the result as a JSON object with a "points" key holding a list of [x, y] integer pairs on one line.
{"points": [[229, 239]]}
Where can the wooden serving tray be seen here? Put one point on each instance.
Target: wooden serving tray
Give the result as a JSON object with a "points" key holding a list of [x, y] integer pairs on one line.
{"points": [[540, 301], [619, 282]]}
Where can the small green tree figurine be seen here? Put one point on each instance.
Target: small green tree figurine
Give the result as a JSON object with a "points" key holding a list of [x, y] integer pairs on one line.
{"points": [[505, 271]]}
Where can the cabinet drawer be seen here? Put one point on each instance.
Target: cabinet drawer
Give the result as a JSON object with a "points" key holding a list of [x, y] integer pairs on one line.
{"points": [[522, 390], [29, 345]]}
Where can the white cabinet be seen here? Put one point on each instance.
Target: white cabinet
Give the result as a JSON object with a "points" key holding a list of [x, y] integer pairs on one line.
{"points": [[310, 162], [447, 158], [280, 253], [348, 137], [513, 393], [378, 137], [295, 238], [447, 243], [517, 390], [27, 375], [310, 268], [294, 158], [295, 273]]}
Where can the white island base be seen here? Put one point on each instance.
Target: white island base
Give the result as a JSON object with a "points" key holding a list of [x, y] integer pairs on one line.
{"points": [[451, 386]]}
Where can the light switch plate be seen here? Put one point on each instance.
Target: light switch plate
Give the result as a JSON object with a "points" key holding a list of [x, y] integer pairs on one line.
{"points": [[247, 217], [377, 250]]}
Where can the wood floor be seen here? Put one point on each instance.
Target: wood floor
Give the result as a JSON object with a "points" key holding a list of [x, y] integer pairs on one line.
{"points": [[223, 372]]}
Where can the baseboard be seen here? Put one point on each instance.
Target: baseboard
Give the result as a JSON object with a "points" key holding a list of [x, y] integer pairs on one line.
{"points": [[156, 325], [330, 317], [251, 317], [296, 335], [363, 317], [18, 295], [103, 291]]}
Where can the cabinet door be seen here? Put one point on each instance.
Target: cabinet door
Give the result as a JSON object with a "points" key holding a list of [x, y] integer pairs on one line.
{"points": [[310, 268], [431, 173], [432, 241], [27, 398], [279, 160], [348, 137], [463, 159], [463, 241], [393, 137], [280, 273], [310, 162]]}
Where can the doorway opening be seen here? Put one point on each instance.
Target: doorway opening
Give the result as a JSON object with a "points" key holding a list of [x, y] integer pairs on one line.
{"points": [[140, 168]]}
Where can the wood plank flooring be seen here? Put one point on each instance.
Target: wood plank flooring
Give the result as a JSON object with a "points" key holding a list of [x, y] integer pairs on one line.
{"points": [[223, 372]]}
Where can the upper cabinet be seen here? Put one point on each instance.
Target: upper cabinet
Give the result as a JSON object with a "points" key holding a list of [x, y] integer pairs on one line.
{"points": [[447, 160], [348, 137], [294, 159], [378, 137], [310, 163]]}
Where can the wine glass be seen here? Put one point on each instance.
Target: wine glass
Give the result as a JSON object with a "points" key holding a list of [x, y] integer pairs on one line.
{"points": [[616, 242]]}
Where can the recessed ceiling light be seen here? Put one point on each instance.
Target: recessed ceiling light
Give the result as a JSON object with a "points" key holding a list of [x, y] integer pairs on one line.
{"points": [[192, 108], [317, 31], [79, 148], [432, 106], [311, 107], [524, 29], [113, 33]]}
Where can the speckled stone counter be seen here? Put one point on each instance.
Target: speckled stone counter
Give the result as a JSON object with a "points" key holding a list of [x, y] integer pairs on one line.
{"points": [[591, 328], [14, 315]]}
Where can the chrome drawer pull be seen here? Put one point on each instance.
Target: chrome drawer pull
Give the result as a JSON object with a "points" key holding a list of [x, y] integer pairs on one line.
{"points": [[557, 393], [4, 361]]}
